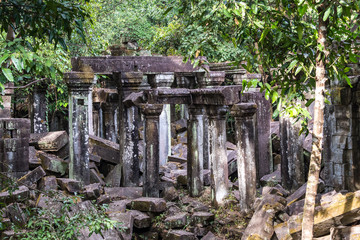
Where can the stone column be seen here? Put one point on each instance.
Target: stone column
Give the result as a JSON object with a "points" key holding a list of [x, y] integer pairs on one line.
{"points": [[96, 119], [109, 111], [128, 122], [38, 110], [6, 97], [79, 84], [245, 123], [208, 80], [195, 157], [151, 180], [91, 117], [218, 155], [163, 80], [292, 154]]}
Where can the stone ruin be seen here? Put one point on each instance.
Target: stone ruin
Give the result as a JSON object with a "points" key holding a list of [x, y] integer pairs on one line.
{"points": [[121, 114]]}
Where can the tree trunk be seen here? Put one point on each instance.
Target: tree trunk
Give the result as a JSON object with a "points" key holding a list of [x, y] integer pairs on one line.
{"points": [[315, 160]]}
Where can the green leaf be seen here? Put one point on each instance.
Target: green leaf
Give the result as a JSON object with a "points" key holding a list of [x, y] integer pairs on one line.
{"points": [[274, 96], [298, 70], [264, 33], [292, 65], [353, 58], [327, 13], [8, 74], [17, 62], [3, 58], [309, 102], [348, 80], [300, 31]]}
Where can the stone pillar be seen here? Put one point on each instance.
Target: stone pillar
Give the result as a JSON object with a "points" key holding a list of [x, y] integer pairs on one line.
{"points": [[151, 180], [163, 80], [6, 97], [195, 157], [245, 124], [96, 119], [109, 111], [14, 146], [292, 154], [218, 155], [38, 110], [129, 118], [79, 84], [91, 117]]}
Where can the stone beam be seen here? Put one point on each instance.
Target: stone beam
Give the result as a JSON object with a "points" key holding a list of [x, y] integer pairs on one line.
{"points": [[110, 64]]}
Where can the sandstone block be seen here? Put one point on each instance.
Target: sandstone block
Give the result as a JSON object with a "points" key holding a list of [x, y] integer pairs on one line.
{"points": [[18, 195], [92, 191], [141, 220], [146, 204], [105, 149], [118, 206], [177, 235], [179, 220], [53, 163], [203, 218], [32, 177], [118, 193], [127, 220], [210, 236], [50, 141], [16, 214], [69, 185], [48, 183]]}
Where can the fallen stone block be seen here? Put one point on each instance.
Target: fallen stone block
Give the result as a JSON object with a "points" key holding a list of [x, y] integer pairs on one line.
{"points": [[50, 141], [18, 195], [261, 224], [146, 204], [180, 125], [178, 235], [203, 218], [114, 177], [94, 158], [32, 177], [177, 159], [342, 209], [34, 160], [141, 220], [179, 220], [16, 214], [53, 163], [95, 177], [45, 202], [63, 152], [196, 206], [271, 179], [147, 236], [119, 193], [230, 146], [105, 149], [127, 222], [297, 195], [70, 185], [92, 191], [103, 199], [170, 194], [117, 206], [48, 183]]}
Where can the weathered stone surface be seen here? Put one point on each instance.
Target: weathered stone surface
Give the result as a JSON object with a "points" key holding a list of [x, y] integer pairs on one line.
{"points": [[147, 236], [210, 236], [11, 234], [53, 163], [32, 177], [69, 185], [95, 177], [127, 221], [50, 141], [141, 220], [16, 214], [18, 195], [342, 209], [92, 191], [170, 193], [48, 183], [177, 235], [261, 223], [118, 193], [103, 199], [179, 220], [107, 150], [180, 125], [34, 160], [118, 206], [271, 179], [48, 203], [146, 204], [345, 233], [297, 195], [203, 218]]}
